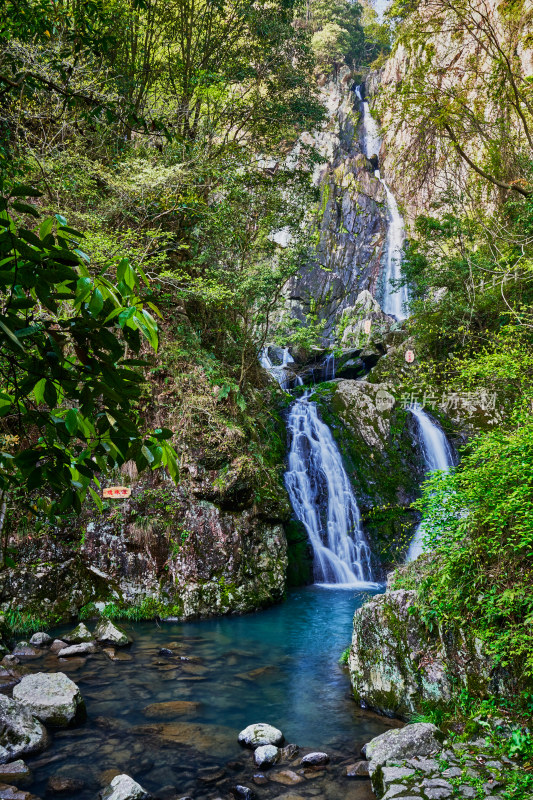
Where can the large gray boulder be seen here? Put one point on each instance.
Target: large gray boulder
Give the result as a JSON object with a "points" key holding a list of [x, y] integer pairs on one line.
{"points": [[122, 787], [107, 631], [260, 734], [418, 739], [20, 733], [397, 665], [52, 698]]}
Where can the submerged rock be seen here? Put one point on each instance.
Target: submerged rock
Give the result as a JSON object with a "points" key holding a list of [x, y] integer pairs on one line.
{"points": [[122, 787], [60, 784], [260, 734], [266, 755], [170, 709], [20, 733], [79, 634], [52, 698], [107, 631]]}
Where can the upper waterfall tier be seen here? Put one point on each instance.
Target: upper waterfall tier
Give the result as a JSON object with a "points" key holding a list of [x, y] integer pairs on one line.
{"points": [[395, 298]]}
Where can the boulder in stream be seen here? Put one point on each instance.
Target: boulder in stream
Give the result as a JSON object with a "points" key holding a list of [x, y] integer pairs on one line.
{"points": [[122, 787], [20, 733], [266, 755], [81, 649], [107, 631], [81, 633], [260, 734], [8, 792], [16, 772], [52, 698], [40, 639]]}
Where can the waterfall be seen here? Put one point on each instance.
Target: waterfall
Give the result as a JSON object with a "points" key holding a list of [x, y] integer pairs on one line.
{"points": [[437, 455], [323, 500], [278, 371], [320, 491], [329, 367], [395, 300]]}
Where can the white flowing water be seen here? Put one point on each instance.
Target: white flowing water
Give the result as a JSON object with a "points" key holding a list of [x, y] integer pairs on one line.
{"points": [[395, 299], [437, 455], [279, 372], [323, 500]]}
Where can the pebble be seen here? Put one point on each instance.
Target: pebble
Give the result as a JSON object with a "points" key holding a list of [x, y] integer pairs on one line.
{"points": [[57, 645], [259, 779], [266, 755]]}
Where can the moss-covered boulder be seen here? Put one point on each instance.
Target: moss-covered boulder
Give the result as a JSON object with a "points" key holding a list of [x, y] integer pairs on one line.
{"points": [[399, 667]]}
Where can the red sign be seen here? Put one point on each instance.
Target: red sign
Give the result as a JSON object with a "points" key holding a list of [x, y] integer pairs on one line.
{"points": [[117, 492], [409, 356], [368, 325]]}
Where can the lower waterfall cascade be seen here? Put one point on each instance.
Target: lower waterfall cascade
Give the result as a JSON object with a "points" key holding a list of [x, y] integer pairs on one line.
{"points": [[323, 500]]}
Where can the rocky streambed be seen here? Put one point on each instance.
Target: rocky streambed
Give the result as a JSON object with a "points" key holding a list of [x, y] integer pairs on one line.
{"points": [[166, 709]]}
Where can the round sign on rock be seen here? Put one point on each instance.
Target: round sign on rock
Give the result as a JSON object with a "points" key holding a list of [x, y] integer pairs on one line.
{"points": [[368, 325], [409, 356]]}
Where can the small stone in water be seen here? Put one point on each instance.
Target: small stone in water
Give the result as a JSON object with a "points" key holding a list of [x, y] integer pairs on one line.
{"points": [[57, 645], [16, 772], [358, 770], [40, 639], [260, 779], [259, 734], [242, 792], [165, 651], [266, 755], [12, 793], [289, 752], [122, 787], [315, 760]]}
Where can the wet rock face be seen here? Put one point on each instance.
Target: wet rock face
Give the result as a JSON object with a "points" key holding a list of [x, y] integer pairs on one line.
{"points": [[51, 697], [396, 664], [20, 733]]}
